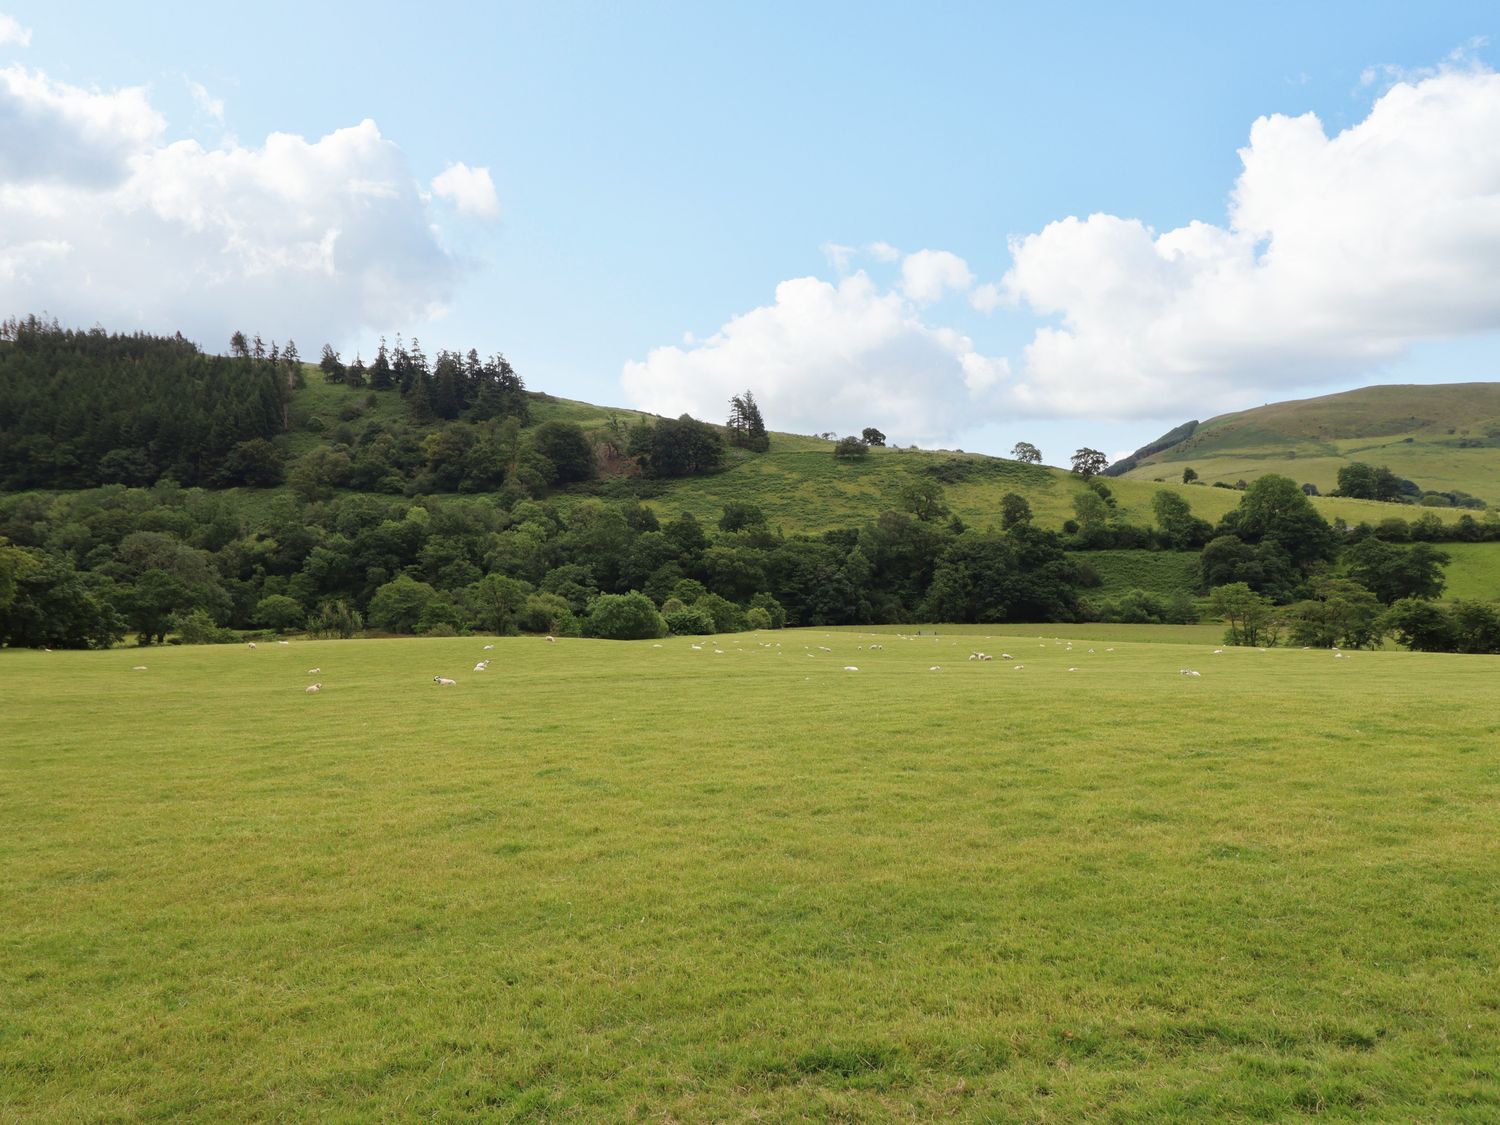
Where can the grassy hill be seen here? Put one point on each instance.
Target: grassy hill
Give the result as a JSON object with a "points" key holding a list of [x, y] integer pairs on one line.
{"points": [[1444, 437]]}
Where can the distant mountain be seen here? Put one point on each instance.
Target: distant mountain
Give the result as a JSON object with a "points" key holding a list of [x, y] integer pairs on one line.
{"points": [[1445, 437]]}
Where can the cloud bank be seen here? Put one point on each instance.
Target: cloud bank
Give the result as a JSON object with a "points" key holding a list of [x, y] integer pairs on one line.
{"points": [[104, 219], [1337, 253]]}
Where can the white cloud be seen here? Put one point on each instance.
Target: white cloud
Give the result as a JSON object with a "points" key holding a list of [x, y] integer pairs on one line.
{"points": [[55, 132], [988, 297], [822, 357], [883, 252], [207, 104], [468, 189], [839, 256], [1338, 253], [928, 275], [13, 32], [103, 220]]}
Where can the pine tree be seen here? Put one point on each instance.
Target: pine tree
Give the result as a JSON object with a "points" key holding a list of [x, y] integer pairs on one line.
{"points": [[755, 427], [381, 377], [239, 348], [332, 366]]}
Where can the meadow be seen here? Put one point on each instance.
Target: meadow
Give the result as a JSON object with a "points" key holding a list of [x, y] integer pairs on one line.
{"points": [[651, 881]]}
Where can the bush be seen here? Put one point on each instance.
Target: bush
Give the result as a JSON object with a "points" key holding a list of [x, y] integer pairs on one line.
{"points": [[851, 449], [547, 613], [727, 617], [688, 621], [279, 613], [625, 617], [198, 628], [758, 618]]}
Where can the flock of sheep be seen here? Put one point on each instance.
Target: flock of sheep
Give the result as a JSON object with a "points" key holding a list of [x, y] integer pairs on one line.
{"points": [[735, 645]]}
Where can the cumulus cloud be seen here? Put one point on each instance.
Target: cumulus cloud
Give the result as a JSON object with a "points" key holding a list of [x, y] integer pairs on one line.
{"points": [[104, 220], [1338, 254], [56, 132], [826, 356], [13, 32], [468, 189], [928, 275]]}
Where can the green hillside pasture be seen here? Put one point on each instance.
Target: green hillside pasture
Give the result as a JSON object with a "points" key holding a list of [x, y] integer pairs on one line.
{"points": [[614, 882], [1474, 573], [1163, 573], [1414, 430]]}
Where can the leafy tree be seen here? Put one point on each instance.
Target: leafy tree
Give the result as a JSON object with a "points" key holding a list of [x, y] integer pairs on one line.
{"points": [[1189, 475], [1251, 617], [772, 608], [279, 612], [1340, 614], [256, 463], [1420, 625], [924, 498], [871, 436], [547, 613], [1026, 453], [1088, 462], [336, 618], [51, 605], [1393, 572], [1274, 509], [850, 449], [497, 601], [1014, 510], [740, 516], [319, 471], [1366, 482], [1476, 627], [197, 628], [677, 448], [688, 621], [757, 618], [625, 617], [727, 617], [1182, 530], [398, 606]]}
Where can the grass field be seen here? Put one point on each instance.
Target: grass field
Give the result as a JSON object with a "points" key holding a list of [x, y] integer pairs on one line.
{"points": [[1473, 572], [1445, 437], [612, 882]]}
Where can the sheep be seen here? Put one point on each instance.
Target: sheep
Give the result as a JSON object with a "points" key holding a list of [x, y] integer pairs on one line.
{"points": [[551, 640], [1188, 672], [1017, 667], [283, 642], [1218, 652], [936, 668], [850, 668], [696, 648], [444, 680], [481, 666], [824, 648], [313, 688], [1006, 656], [139, 668], [1072, 669], [250, 644], [488, 647], [313, 671]]}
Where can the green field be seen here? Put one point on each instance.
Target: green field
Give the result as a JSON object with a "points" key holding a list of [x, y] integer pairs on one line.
{"points": [[613, 882], [1444, 437]]}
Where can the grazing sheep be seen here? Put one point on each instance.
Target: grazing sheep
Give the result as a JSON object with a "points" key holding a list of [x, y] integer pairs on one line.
{"points": [[1218, 652], [481, 666], [313, 671], [444, 680], [311, 688], [696, 648], [824, 648], [936, 668], [283, 642], [850, 668], [551, 640], [1188, 672], [249, 644], [1072, 669], [488, 647], [139, 668], [1006, 656], [1016, 667]]}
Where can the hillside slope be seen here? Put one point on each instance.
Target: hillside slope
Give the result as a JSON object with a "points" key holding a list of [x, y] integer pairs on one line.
{"points": [[1445, 437]]}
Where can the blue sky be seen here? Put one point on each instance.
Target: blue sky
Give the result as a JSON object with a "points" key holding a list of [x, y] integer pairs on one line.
{"points": [[667, 177]]}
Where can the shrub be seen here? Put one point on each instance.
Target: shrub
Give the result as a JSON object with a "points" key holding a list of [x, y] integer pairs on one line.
{"points": [[279, 613], [198, 628], [625, 617], [688, 621], [758, 618]]}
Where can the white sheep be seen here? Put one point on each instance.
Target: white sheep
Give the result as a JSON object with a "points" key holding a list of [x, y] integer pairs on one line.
{"points": [[551, 640], [1188, 672], [249, 644], [283, 642], [139, 668], [488, 647], [313, 671], [850, 668], [313, 688], [481, 666], [444, 680], [936, 668], [1006, 656]]}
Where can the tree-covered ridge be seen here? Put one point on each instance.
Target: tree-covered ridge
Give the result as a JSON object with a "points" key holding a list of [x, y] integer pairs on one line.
{"points": [[83, 408]]}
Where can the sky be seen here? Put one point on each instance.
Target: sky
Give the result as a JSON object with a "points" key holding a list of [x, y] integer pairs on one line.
{"points": [[967, 225]]}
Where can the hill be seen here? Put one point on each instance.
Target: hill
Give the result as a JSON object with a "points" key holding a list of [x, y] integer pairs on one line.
{"points": [[1444, 437]]}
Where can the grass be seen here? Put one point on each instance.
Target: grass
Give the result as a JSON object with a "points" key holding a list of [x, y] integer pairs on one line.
{"points": [[1416, 431], [1163, 573], [1474, 572], [615, 882]]}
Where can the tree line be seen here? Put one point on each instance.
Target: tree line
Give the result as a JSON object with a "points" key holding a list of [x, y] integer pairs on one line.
{"points": [[83, 569]]}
